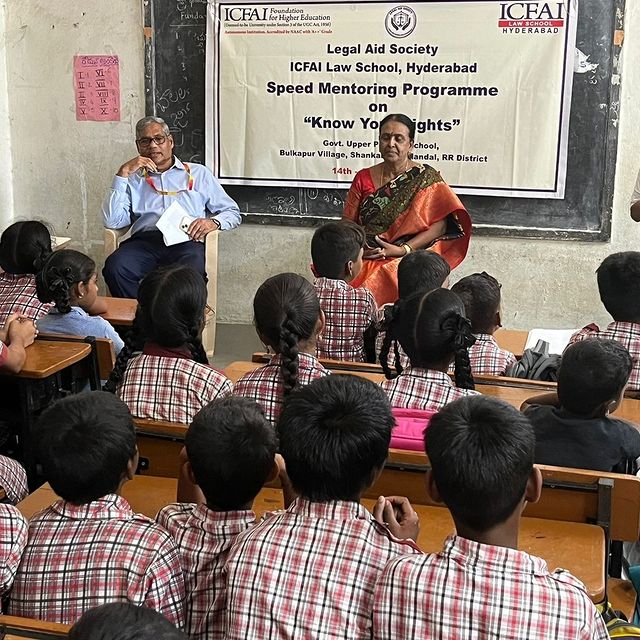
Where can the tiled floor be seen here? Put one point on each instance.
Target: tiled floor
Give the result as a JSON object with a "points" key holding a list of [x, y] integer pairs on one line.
{"points": [[235, 342]]}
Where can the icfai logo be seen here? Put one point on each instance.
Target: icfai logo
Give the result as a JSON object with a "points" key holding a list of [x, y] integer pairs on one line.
{"points": [[400, 21], [247, 14]]}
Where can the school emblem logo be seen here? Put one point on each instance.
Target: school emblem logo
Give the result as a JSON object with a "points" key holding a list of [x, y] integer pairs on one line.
{"points": [[400, 21]]}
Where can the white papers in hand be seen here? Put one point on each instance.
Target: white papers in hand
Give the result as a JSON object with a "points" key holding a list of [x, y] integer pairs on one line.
{"points": [[170, 224], [558, 339]]}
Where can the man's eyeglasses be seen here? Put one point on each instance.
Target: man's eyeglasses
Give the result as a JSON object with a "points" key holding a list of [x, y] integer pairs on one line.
{"points": [[146, 142]]}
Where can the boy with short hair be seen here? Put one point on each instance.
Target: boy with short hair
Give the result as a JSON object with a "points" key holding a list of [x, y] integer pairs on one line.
{"points": [[480, 294], [421, 270], [619, 286], [89, 547], [310, 571], [480, 586], [572, 426], [231, 448], [336, 250]]}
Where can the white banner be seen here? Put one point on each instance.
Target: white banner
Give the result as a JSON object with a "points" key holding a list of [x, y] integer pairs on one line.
{"points": [[296, 91]]}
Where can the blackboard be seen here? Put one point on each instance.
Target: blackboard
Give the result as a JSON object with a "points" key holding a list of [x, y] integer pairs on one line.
{"points": [[175, 38]]}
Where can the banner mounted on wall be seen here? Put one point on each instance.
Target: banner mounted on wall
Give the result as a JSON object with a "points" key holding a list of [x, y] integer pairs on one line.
{"points": [[296, 91]]}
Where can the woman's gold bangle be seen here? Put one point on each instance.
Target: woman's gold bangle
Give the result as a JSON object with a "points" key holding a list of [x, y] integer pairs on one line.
{"points": [[407, 249]]}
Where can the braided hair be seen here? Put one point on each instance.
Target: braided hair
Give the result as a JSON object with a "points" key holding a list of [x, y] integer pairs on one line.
{"points": [[170, 313], [286, 311], [60, 273], [432, 329], [24, 247]]}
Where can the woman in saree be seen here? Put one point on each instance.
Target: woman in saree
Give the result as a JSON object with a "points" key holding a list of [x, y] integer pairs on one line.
{"points": [[403, 206]]}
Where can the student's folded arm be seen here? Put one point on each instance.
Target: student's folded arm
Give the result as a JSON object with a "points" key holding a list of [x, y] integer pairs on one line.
{"points": [[98, 307], [543, 398]]}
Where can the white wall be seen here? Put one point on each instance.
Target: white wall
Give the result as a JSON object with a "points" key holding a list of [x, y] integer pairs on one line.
{"points": [[6, 175], [63, 167]]}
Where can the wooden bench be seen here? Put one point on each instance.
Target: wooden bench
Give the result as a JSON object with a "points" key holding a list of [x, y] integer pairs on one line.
{"points": [[105, 354], [13, 628], [120, 311], [569, 545]]}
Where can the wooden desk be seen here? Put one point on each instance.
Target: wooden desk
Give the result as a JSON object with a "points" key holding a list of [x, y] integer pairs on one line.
{"points": [[576, 547], [120, 311], [15, 628], [46, 358], [628, 410], [511, 340]]}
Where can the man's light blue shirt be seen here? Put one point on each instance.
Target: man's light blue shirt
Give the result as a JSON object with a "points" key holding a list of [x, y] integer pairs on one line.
{"points": [[132, 201]]}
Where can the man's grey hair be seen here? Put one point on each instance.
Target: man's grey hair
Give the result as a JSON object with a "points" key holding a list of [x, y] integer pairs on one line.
{"points": [[141, 125]]}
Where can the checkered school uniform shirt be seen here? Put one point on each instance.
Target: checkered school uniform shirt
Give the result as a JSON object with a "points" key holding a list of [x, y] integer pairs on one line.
{"points": [[170, 387], [348, 314], [627, 334], [487, 358], [18, 295], [204, 537], [471, 591], [264, 384], [417, 388], [13, 479], [308, 572], [82, 556], [13, 538]]}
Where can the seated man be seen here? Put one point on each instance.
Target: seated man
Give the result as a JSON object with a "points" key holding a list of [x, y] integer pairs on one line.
{"points": [[142, 189]]}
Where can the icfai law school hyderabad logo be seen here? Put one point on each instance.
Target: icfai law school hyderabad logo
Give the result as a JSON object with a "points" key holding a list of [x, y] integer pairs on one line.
{"points": [[400, 21], [531, 17]]}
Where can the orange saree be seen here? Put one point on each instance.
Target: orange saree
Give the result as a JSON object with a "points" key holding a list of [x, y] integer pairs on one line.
{"points": [[399, 210]]}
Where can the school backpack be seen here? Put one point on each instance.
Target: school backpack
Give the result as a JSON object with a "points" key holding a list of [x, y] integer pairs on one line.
{"points": [[536, 364], [617, 625]]}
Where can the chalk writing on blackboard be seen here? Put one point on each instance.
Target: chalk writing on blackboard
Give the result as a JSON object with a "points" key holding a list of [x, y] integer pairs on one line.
{"points": [[96, 80]]}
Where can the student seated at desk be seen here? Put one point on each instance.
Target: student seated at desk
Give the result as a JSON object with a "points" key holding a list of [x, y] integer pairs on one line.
{"points": [[13, 479], [123, 621], [88, 547], [171, 379], [480, 294], [310, 571], [17, 334], [231, 448], [419, 271], [68, 279], [24, 247], [288, 320], [573, 427], [480, 586], [619, 286], [336, 251], [433, 331], [13, 539]]}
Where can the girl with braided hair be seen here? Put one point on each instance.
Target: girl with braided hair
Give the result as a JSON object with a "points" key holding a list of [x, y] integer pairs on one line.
{"points": [[24, 248], [288, 320], [434, 332], [171, 378], [68, 280]]}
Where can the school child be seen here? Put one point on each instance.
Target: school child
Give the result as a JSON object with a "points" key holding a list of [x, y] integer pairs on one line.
{"points": [[171, 379], [288, 320], [13, 538], [573, 427], [68, 279], [88, 547], [619, 286], [480, 586], [24, 247], [434, 332], [123, 621], [231, 450], [418, 271], [337, 249], [480, 294], [17, 334], [310, 571]]}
